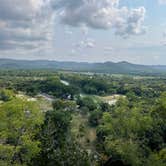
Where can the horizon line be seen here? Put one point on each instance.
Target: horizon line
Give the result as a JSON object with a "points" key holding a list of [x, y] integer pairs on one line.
{"points": [[53, 60]]}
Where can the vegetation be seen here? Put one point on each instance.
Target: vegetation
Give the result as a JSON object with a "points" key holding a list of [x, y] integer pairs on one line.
{"points": [[20, 123], [88, 121]]}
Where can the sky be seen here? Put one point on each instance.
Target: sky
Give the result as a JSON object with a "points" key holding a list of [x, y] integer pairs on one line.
{"points": [[84, 30]]}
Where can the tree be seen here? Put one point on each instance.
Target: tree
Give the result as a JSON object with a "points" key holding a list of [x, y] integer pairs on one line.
{"points": [[87, 102], [64, 104], [19, 124], [6, 95], [124, 131], [94, 118], [58, 146]]}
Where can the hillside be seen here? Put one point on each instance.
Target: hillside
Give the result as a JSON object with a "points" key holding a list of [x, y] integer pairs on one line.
{"points": [[107, 67]]}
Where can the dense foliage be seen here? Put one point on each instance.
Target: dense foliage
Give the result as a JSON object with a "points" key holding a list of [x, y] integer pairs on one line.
{"points": [[65, 119], [19, 126]]}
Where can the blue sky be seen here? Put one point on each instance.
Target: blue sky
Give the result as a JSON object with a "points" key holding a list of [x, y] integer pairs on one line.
{"points": [[84, 30]]}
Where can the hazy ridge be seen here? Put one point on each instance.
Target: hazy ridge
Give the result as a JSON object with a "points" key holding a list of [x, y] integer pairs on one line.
{"points": [[106, 67]]}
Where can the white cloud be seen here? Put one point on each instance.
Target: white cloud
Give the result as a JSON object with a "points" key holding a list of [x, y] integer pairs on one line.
{"points": [[156, 57], [84, 29], [164, 34], [24, 24], [103, 14], [87, 43], [163, 43], [108, 49], [68, 32], [162, 2]]}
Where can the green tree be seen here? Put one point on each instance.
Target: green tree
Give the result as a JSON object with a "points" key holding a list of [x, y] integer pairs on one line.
{"points": [[58, 146], [19, 124], [124, 131], [87, 102], [64, 104], [95, 117], [6, 95]]}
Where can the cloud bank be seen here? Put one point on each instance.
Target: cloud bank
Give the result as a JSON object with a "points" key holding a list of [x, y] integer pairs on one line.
{"points": [[24, 24], [28, 25], [105, 14]]}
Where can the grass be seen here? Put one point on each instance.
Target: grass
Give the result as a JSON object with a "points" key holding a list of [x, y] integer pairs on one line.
{"points": [[44, 104], [111, 99], [81, 130]]}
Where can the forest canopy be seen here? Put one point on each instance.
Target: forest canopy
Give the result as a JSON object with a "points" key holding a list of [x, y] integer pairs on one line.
{"points": [[49, 118]]}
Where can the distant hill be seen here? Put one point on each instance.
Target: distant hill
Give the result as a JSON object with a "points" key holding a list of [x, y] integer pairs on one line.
{"points": [[107, 67]]}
